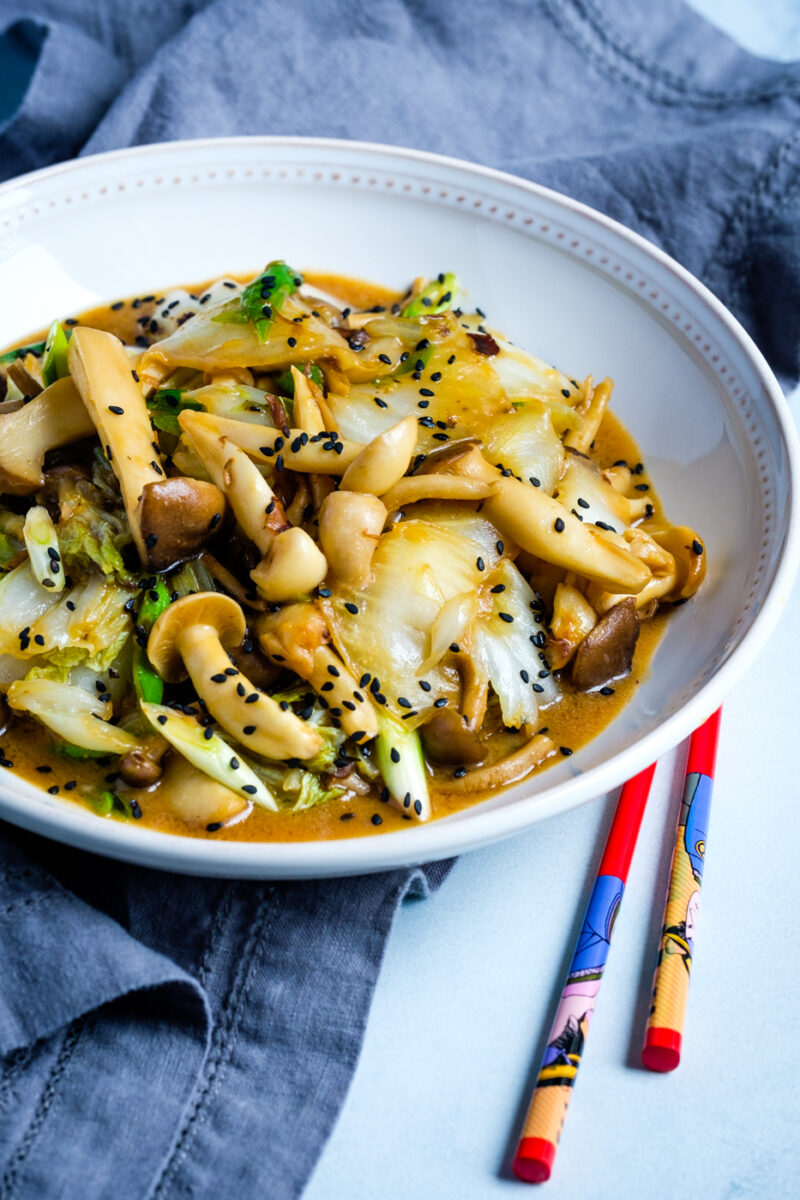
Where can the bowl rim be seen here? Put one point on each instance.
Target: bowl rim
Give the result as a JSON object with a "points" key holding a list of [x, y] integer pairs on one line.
{"points": [[476, 828]]}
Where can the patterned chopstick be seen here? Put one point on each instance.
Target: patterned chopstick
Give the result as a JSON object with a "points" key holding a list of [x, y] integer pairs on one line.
{"points": [[664, 1032], [553, 1090]]}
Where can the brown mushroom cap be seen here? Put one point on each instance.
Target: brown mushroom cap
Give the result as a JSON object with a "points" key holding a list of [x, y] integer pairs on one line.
{"points": [[177, 516], [219, 612], [607, 652]]}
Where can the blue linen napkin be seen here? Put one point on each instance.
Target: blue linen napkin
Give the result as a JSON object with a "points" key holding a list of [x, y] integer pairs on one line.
{"points": [[163, 1037]]}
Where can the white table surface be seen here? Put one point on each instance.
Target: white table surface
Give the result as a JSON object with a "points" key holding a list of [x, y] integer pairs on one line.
{"points": [[471, 976]]}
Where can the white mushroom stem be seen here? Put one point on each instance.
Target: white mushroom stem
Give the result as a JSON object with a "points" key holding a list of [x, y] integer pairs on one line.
{"points": [[350, 524], [382, 463], [294, 637], [306, 410], [592, 408], [501, 773], [250, 716], [178, 513], [293, 566], [255, 506], [102, 372], [323, 454], [436, 487], [56, 417]]}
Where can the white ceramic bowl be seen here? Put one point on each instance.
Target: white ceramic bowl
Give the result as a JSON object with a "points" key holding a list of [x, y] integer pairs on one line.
{"points": [[571, 285]]}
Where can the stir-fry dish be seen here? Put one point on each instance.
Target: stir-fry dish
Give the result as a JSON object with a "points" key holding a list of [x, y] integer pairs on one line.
{"points": [[307, 557]]}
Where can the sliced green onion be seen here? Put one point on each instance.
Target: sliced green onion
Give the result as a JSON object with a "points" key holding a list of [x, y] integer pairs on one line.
{"points": [[436, 297], [41, 541], [54, 364], [211, 755], [398, 752], [148, 683]]}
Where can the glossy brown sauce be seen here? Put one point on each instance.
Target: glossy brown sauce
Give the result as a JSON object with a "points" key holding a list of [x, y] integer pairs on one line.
{"points": [[575, 720]]}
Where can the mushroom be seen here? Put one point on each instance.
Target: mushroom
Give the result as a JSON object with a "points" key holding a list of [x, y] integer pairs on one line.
{"points": [[324, 453], [20, 374], [542, 526], [413, 488], [573, 619], [447, 738], [169, 518], [197, 798], [384, 461], [293, 565], [297, 637], [592, 407], [350, 524], [606, 652], [141, 768], [689, 554], [56, 417], [306, 409], [498, 774], [664, 574], [192, 637]]}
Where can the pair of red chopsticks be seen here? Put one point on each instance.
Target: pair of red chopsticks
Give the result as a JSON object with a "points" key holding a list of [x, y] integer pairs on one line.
{"points": [[662, 1041]]}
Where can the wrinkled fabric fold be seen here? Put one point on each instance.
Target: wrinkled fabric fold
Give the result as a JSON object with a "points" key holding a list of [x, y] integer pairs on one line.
{"points": [[163, 1037]]}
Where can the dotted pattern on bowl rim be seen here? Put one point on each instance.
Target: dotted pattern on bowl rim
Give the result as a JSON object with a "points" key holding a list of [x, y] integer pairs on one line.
{"points": [[522, 217]]}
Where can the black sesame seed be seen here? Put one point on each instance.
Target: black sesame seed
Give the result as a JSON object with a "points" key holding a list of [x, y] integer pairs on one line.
{"points": [[215, 520], [459, 772], [565, 750], [436, 376], [423, 683], [347, 816], [423, 404], [234, 763], [39, 639], [162, 720], [351, 608], [558, 525], [440, 703], [582, 503], [376, 819], [240, 689], [333, 671], [455, 648], [697, 547], [426, 392], [279, 463], [524, 676], [384, 796], [642, 487], [151, 540], [401, 700], [537, 687], [117, 305], [249, 729], [384, 358], [606, 691], [252, 698], [213, 826], [349, 705], [565, 392], [480, 564], [116, 410], [536, 482], [507, 617], [250, 788], [292, 341], [208, 733], [418, 807], [394, 755], [364, 680], [325, 592], [327, 686], [380, 403], [498, 587]]}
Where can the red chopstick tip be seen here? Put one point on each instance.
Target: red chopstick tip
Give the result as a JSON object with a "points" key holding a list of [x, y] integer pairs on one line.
{"points": [[662, 1049], [534, 1159]]}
